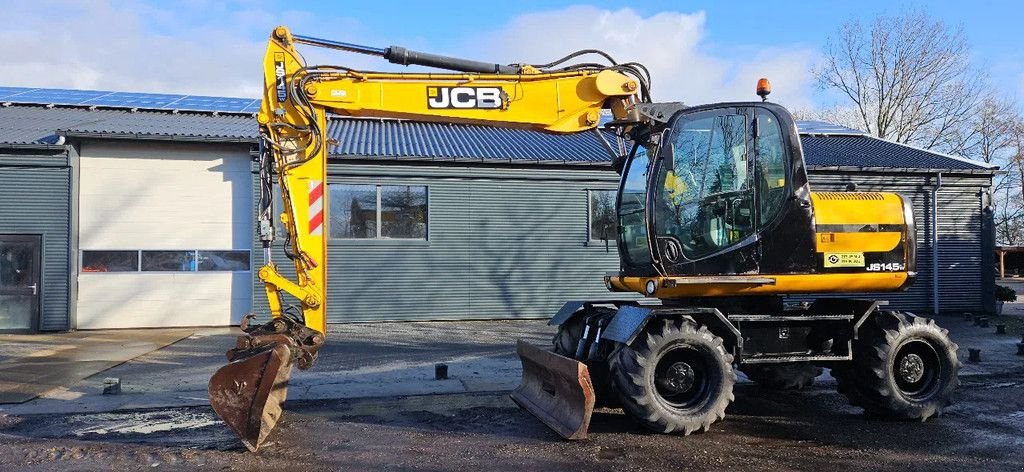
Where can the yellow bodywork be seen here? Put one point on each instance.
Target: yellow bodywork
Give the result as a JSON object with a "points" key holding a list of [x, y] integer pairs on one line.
{"points": [[762, 284], [561, 102], [848, 224]]}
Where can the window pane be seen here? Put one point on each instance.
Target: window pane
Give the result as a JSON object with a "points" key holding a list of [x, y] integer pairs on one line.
{"points": [[403, 212], [168, 261], [110, 261], [632, 212], [706, 200], [602, 215], [771, 166], [224, 260], [353, 211]]}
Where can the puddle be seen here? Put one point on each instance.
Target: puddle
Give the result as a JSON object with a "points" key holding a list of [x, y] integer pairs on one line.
{"points": [[193, 428], [143, 423]]}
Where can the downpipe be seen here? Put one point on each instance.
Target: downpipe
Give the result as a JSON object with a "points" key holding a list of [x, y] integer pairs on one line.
{"points": [[935, 243]]}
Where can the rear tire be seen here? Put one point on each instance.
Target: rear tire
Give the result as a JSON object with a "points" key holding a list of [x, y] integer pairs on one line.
{"points": [[675, 378], [789, 376], [565, 342], [904, 367]]}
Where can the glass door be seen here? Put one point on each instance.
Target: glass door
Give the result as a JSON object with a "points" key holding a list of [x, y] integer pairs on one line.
{"points": [[19, 282]]}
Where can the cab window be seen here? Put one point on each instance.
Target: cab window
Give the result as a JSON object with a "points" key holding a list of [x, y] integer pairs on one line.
{"points": [[633, 209], [770, 167], [706, 198]]}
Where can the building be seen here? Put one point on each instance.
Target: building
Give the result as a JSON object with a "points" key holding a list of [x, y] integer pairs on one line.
{"points": [[136, 210]]}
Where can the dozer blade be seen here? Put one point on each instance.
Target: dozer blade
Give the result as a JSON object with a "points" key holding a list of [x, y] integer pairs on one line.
{"points": [[248, 392], [555, 389]]}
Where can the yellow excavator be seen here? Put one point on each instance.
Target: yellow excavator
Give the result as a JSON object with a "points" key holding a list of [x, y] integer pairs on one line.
{"points": [[717, 230]]}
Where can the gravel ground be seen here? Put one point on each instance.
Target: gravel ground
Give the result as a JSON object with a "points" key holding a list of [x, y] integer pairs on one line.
{"points": [[814, 429], [765, 430]]}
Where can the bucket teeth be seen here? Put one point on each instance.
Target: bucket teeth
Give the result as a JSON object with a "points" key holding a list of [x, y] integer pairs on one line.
{"points": [[555, 389]]}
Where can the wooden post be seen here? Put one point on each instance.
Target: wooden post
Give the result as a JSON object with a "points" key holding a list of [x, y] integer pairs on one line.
{"points": [[1002, 265]]}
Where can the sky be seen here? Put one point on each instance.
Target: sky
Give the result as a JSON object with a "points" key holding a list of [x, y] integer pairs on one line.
{"points": [[697, 52]]}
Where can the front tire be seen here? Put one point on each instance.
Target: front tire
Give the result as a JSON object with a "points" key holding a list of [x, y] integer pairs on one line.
{"points": [[675, 378], [904, 367]]}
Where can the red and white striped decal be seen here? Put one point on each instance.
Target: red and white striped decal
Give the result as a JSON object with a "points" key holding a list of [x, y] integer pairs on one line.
{"points": [[316, 208]]}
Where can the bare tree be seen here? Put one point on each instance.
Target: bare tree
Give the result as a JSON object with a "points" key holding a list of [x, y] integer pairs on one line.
{"points": [[994, 132], [1009, 188], [907, 78]]}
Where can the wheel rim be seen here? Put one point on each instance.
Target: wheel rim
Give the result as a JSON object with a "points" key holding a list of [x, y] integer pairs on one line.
{"points": [[917, 369], [681, 377]]}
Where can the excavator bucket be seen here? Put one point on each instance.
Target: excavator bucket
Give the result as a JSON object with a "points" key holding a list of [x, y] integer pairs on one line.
{"points": [[249, 392], [555, 389]]}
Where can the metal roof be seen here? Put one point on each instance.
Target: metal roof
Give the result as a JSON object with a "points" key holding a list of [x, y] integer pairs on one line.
{"points": [[825, 145], [41, 125], [375, 138], [863, 151], [821, 127], [147, 101]]}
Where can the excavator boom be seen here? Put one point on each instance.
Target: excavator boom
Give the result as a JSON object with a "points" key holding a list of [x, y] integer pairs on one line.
{"points": [[248, 393]]}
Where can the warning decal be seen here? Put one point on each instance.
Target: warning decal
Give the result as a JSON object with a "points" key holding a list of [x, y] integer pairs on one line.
{"points": [[844, 259]]}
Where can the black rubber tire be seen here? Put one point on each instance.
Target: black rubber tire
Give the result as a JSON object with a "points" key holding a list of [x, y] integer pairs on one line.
{"points": [[874, 382], [634, 368], [789, 376], [564, 344]]}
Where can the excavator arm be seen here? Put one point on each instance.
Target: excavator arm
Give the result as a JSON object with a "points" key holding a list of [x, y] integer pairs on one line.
{"points": [[297, 99]]}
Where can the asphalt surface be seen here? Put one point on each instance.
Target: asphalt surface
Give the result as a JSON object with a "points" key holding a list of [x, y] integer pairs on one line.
{"points": [[476, 429]]}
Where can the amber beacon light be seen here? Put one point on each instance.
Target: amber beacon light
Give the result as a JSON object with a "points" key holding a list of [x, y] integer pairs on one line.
{"points": [[764, 87]]}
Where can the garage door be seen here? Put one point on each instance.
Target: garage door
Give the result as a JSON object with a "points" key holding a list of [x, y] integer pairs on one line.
{"points": [[164, 233]]}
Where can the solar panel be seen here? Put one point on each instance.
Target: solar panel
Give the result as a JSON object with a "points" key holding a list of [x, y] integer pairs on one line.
{"points": [[149, 101], [821, 127]]}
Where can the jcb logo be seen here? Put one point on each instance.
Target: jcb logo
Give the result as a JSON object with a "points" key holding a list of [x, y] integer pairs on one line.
{"points": [[282, 89], [487, 98]]}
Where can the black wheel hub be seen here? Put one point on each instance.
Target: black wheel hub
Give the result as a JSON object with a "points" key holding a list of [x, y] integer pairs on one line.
{"points": [[678, 378], [681, 377], [917, 369], [911, 368]]}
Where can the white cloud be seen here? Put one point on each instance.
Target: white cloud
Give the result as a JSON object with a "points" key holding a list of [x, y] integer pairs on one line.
{"points": [[216, 48], [195, 47], [670, 44]]}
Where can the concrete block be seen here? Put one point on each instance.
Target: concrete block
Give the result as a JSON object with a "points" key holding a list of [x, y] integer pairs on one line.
{"points": [[112, 386]]}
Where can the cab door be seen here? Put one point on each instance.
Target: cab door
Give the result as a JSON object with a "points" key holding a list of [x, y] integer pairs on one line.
{"points": [[725, 179]]}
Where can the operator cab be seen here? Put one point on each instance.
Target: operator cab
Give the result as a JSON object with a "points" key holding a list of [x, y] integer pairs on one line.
{"points": [[723, 189]]}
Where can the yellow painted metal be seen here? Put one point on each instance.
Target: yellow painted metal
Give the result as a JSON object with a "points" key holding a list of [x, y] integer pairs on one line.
{"points": [[857, 208], [294, 111], [851, 211], [674, 287], [300, 159], [566, 102], [858, 242]]}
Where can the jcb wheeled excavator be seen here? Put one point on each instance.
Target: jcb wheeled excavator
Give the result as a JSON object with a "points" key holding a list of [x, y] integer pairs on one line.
{"points": [[716, 226]]}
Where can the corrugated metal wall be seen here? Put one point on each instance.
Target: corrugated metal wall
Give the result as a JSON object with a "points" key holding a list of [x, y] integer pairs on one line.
{"points": [[962, 271], [34, 199], [510, 243], [503, 243]]}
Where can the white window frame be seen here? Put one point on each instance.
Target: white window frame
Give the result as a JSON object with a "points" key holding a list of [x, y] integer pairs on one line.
{"points": [[592, 238]]}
